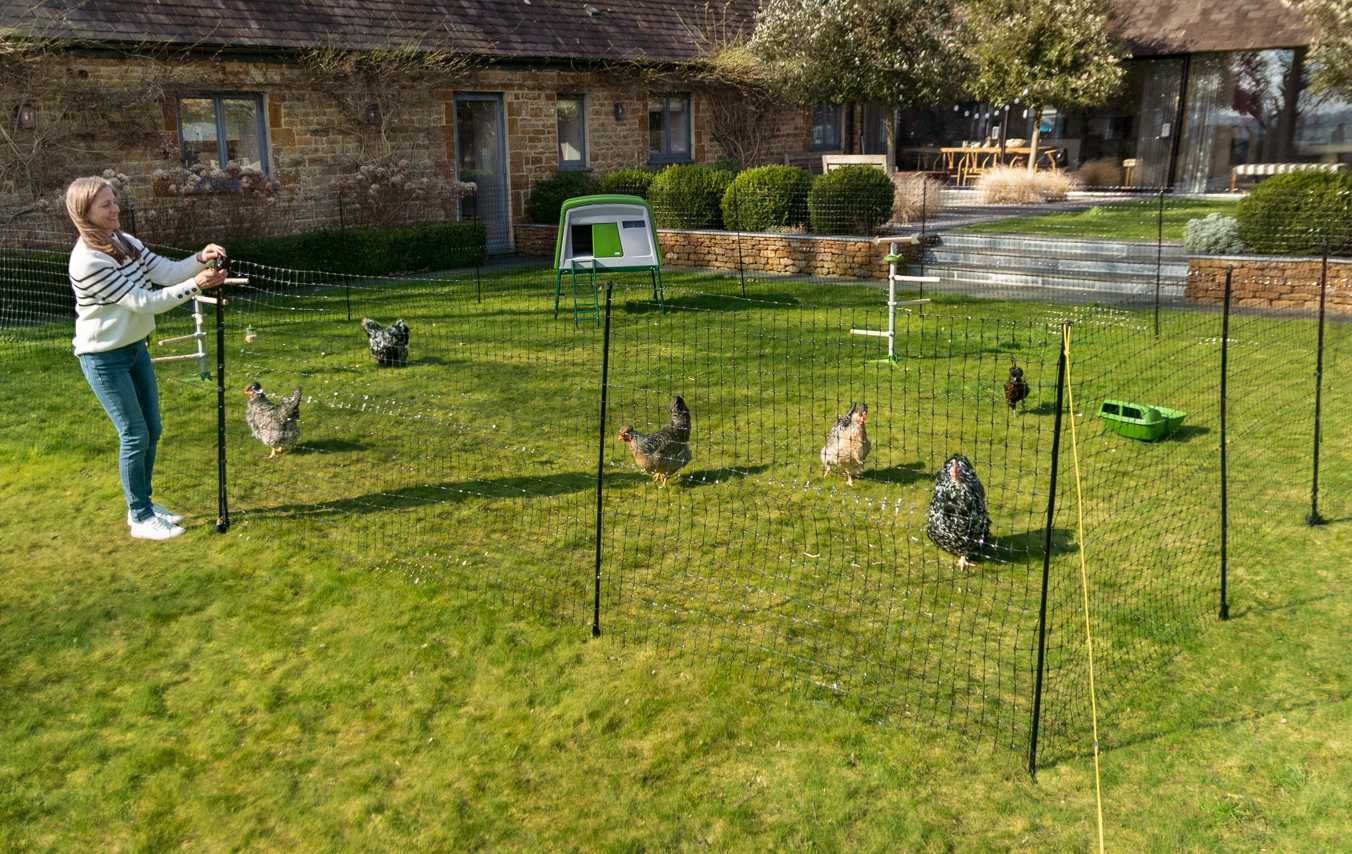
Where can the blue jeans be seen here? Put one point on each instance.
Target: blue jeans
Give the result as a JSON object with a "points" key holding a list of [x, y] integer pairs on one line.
{"points": [[124, 382]]}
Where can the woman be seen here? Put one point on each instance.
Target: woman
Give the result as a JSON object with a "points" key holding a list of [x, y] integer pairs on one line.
{"points": [[115, 307]]}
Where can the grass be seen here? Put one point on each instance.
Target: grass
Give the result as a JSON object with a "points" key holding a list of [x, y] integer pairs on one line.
{"points": [[1116, 221], [298, 685]]}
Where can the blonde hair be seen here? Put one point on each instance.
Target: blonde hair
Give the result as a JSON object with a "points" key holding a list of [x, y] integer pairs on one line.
{"points": [[79, 198]]}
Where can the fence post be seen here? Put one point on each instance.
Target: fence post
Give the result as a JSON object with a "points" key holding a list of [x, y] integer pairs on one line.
{"points": [[1159, 261], [1314, 518], [737, 210], [1225, 497], [222, 498], [601, 461], [1047, 557]]}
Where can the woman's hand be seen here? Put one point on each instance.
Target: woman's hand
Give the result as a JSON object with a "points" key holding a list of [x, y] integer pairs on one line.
{"points": [[209, 278], [211, 251]]}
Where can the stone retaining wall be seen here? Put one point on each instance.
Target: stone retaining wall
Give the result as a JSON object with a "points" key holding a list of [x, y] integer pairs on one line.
{"points": [[1263, 282], [791, 254]]}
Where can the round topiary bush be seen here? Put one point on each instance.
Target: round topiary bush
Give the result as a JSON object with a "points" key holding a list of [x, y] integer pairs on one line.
{"points": [[1292, 214], [633, 181], [689, 196], [1212, 235], [547, 197], [767, 198], [850, 200]]}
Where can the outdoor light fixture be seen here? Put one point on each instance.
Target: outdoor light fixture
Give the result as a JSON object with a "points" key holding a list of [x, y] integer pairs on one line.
{"points": [[619, 110], [371, 115], [592, 10], [27, 116]]}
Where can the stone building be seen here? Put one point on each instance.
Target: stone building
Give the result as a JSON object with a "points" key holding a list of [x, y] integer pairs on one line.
{"points": [[309, 92]]}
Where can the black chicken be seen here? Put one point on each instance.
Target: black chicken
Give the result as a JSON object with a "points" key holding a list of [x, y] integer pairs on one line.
{"points": [[1016, 389], [956, 520], [665, 452], [274, 424], [389, 344]]}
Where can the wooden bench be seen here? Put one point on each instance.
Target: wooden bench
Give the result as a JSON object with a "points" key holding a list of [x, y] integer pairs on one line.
{"points": [[1263, 170], [835, 161]]}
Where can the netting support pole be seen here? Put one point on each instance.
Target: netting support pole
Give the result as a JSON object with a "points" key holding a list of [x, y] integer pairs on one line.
{"points": [[601, 461], [1314, 518], [1225, 496], [478, 286], [1159, 262], [347, 287], [737, 209], [1047, 557], [222, 503]]}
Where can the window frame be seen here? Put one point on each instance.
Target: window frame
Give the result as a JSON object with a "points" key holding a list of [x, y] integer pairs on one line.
{"points": [[667, 156], [837, 111], [581, 163], [218, 99]]}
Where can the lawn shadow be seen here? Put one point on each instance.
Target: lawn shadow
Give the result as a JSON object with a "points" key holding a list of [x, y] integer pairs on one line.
{"points": [[447, 492], [1186, 433], [713, 477], [712, 302], [329, 446], [903, 474], [1018, 548]]}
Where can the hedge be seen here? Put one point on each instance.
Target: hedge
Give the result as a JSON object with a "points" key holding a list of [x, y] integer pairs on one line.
{"points": [[634, 181], [767, 198], [547, 196], [1292, 214], [689, 196], [850, 200], [370, 251]]}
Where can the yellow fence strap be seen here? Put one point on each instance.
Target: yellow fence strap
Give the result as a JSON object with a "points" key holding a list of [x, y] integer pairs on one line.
{"points": [[1084, 580]]}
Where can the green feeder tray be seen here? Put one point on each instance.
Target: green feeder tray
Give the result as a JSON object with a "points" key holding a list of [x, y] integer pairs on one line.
{"points": [[1138, 421]]}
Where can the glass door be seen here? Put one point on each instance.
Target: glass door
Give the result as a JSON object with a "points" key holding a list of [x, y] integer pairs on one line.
{"points": [[1159, 119], [481, 157]]}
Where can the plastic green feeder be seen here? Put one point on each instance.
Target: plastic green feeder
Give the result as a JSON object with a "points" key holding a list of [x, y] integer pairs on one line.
{"points": [[1140, 421]]}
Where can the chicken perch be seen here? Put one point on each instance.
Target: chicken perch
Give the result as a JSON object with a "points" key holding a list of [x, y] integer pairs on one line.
{"points": [[1016, 389], [665, 452], [389, 344], [273, 424], [956, 520], [847, 446]]}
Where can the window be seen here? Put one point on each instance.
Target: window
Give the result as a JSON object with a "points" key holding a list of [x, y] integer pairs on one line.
{"points": [[826, 128], [231, 124], [572, 132], [669, 127]]}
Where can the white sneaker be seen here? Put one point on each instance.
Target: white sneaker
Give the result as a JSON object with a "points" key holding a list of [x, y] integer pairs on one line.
{"points": [[171, 518], [155, 528]]}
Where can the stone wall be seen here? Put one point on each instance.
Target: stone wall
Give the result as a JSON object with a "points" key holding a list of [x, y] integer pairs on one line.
{"points": [[1263, 282], [785, 254]]}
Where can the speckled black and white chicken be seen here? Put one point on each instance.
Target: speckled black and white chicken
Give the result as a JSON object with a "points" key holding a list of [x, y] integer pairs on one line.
{"points": [[847, 446], [957, 521], [276, 425], [389, 344], [665, 452], [1016, 389]]}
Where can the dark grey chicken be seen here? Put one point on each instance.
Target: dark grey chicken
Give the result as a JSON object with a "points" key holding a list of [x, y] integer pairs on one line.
{"points": [[389, 344], [1016, 389], [274, 424], [665, 452], [957, 521]]}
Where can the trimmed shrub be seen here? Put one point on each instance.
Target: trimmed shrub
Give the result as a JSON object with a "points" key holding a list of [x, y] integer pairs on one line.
{"points": [[1292, 214], [767, 198], [850, 200], [633, 181], [1212, 234], [370, 251], [689, 196], [547, 196], [728, 163], [1104, 172]]}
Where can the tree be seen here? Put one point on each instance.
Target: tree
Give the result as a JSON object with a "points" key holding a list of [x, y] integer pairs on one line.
{"points": [[1043, 53], [1330, 54], [899, 52]]}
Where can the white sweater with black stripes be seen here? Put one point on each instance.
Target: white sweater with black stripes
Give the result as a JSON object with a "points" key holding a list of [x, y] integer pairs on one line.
{"points": [[115, 304]]}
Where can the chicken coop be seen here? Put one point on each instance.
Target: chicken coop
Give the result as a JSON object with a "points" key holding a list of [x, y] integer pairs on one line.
{"points": [[604, 234]]}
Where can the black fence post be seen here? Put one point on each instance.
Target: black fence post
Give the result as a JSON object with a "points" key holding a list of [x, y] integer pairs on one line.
{"points": [[348, 289], [1225, 497], [1047, 557], [1159, 261], [1314, 518], [737, 211], [601, 461], [222, 497]]}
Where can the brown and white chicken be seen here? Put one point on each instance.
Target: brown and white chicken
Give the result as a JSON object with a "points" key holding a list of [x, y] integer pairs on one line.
{"points": [[847, 446], [274, 424], [665, 452]]}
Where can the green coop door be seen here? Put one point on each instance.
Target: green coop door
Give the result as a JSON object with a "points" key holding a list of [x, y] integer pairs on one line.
{"points": [[606, 240]]}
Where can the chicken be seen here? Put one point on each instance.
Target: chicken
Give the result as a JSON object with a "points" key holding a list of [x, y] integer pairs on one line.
{"points": [[847, 447], [956, 520], [1016, 389], [274, 424], [665, 452], [389, 344]]}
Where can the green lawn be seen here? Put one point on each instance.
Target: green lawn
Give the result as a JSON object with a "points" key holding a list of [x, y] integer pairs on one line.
{"points": [[1116, 221], [390, 648]]}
